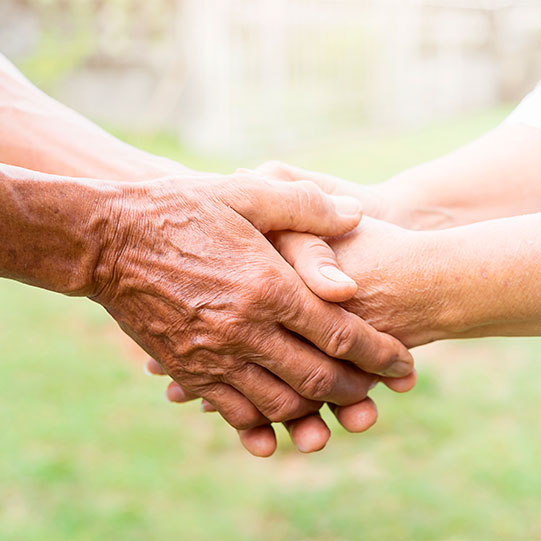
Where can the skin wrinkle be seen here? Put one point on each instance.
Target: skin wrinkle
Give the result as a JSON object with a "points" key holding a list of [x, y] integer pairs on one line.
{"points": [[436, 293], [419, 302], [62, 142], [258, 290]]}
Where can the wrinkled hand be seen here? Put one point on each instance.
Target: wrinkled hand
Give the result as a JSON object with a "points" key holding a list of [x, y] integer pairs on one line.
{"points": [[391, 268], [396, 271], [188, 274], [389, 201], [373, 246], [381, 201], [309, 433]]}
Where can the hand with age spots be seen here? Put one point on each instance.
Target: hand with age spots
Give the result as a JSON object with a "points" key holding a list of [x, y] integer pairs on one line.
{"points": [[477, 280], [418, 286], [179, 259], [306, 254]]}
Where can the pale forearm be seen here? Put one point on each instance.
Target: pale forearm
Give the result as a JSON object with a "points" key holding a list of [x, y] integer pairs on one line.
{"points": [[476, 280], [41, 134], [495, 176], [488, 280]]}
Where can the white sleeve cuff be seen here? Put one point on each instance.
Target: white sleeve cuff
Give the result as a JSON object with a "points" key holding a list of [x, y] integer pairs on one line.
{"points": [[528, 110]]}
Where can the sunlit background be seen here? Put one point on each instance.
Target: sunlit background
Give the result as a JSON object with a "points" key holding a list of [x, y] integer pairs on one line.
{"points": [[89, 449]]}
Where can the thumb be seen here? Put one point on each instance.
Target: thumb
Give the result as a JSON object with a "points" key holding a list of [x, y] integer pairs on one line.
{"points": [[272, 205], [315, 262]]}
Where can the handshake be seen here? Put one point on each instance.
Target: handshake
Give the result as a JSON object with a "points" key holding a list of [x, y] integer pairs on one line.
{"points": [[263, 292], [269, 329]]}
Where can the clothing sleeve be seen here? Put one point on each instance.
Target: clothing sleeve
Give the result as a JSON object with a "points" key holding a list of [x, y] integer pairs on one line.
{"points": [[528, 111]]}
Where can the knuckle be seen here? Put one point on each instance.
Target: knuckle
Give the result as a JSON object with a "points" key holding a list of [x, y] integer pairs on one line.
{"points": [[316, 248], [283, 408], [341, 342], [310, 196], [240, 171], [319, 384], [386, 354], [275, 167], [267, 288], [244, 419], [233, 329], [310, 188]]}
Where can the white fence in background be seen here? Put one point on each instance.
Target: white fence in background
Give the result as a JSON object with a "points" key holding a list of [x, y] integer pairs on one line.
{"points": [[277, 72], [245, 75]]}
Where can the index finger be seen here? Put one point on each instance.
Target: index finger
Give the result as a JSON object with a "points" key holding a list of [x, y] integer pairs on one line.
{"points": [[344, 335], [273, 205]]}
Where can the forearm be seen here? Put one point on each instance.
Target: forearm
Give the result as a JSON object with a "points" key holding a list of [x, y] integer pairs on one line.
{"points": [[495, 176], [419, 286], [53, 229], [488, 279], [41, 134]]}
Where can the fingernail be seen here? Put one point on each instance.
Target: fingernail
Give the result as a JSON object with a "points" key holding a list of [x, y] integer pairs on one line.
{"points": [[398, 369], [302, 448], [174, 393], [347, 206], [373, 384], [146, 370], [206, 407], [335, 274]]}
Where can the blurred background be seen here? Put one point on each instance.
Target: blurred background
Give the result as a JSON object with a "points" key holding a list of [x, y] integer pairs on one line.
{"points": [[359, 88]]}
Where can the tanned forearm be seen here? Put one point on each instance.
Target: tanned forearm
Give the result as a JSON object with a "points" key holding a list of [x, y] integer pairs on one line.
{"points": [[52, 229], [41, 134]]}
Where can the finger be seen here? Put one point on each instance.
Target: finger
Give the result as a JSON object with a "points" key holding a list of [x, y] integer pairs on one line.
{"points": [[314, 375], [272, 205], [153, 368], [356, 417], [259, 441], [177, 393], [207, 407], [401, 385], [344, 335], [315, 262], [283, 171], [235, 408], [276, 400], [309, 434]]}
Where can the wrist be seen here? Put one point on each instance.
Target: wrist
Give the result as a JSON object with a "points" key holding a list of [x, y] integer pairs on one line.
{"points": [[120, 215], [487, 278], [445, 286], [411, 203], [52, 229], [394, 202], [395, 270]]}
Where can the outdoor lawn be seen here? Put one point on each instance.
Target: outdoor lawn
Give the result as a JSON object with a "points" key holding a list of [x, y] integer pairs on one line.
{"points": [[91, 450]]}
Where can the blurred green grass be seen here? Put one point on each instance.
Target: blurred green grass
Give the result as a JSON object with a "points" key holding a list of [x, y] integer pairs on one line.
{"points": [[90, 449]]}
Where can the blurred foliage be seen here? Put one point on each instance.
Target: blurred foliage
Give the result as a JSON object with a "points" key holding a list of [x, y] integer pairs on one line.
{"points": [[73, 32], [364, 156], [55, 57], [91, 450]]}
